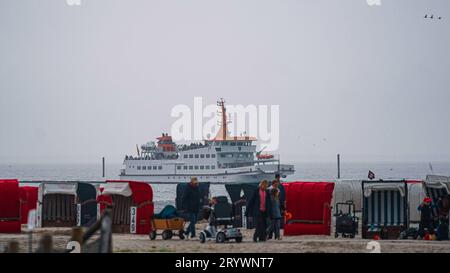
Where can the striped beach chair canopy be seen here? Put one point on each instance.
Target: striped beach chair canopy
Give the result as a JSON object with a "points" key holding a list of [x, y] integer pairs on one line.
{"points": [[436, 186], [385, 204]]}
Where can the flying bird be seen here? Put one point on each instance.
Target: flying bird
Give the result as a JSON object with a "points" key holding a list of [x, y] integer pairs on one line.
{"points": [[426, 16], [440, 18], [431, 16]]}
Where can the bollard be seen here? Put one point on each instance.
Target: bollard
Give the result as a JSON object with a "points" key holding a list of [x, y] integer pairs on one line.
{"points": [[13, 247], [77, 236], [46, 244]]}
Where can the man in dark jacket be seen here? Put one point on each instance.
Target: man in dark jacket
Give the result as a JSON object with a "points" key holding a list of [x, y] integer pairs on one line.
{"points": [[426, 217], [191, 205], [259, 207]]}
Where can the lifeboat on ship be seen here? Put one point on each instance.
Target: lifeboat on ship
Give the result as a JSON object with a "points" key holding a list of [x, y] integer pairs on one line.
{"points": [[264, 156]]}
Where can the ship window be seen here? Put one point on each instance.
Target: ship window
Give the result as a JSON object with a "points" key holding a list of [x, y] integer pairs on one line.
{"points": [[207, 167], [159, 167], [144, 167], [208, 155], [239, 143], [178, 167], [196, 167], [191, 156], [213, 156], [191, 167], [138, 167], [149, 167], [202, 167], [185, 167], [154, 167], [233, 144], [185, 156], [202, 156], [213, 167], [196, 156]]}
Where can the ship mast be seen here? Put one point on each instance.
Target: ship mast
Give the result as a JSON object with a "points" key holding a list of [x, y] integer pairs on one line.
{"points": [[223, 132]]}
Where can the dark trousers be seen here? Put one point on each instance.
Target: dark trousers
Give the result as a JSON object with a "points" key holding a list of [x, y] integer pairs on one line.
{"points": [[425, 225], [192, 217], [261, 227], [274, 228]]}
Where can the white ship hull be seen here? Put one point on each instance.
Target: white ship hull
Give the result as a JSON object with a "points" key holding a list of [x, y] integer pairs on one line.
{"points": [[263, 172], [214, 179]]}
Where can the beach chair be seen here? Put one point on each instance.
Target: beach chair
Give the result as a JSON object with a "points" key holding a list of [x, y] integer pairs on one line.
{"points": [[9, 206], [66, 204], [308, 210], [131, 203], [121, 213], [385, 209], [59, 210], [435, 187]]}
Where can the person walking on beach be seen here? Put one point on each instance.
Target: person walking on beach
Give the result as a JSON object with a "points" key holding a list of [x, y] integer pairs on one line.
{"points": [[259, 207], [191, 205]]}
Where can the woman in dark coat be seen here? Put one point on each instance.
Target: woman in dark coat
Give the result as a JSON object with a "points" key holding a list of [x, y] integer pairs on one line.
{"points": [[259, 207]]}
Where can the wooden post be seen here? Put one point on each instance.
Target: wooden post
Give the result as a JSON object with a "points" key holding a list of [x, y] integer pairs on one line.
{"points": [[103, 166], [46, 244], [13, 247], [77, 235], [338, 166]]}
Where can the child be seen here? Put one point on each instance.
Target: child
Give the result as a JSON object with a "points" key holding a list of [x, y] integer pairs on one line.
{"points": [[276, 213]]}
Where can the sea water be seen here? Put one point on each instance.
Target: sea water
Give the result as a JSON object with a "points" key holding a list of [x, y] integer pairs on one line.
{"points": [[165, 193]]}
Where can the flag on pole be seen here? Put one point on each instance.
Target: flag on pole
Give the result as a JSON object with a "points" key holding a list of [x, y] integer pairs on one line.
{"points": [[431, 167], [371, 175]]}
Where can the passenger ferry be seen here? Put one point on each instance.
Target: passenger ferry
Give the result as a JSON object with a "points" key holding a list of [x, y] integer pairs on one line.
{"points": [[223, 159]]}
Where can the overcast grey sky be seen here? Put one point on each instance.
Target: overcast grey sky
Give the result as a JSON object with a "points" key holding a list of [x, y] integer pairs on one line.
{"points": [[77, 83]]}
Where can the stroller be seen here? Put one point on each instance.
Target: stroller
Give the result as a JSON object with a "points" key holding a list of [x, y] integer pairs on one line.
{"points": [[221, 214], [346, 221]]}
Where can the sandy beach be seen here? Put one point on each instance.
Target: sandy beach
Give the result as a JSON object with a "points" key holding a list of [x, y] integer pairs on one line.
{"points": [[130, 243]]}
